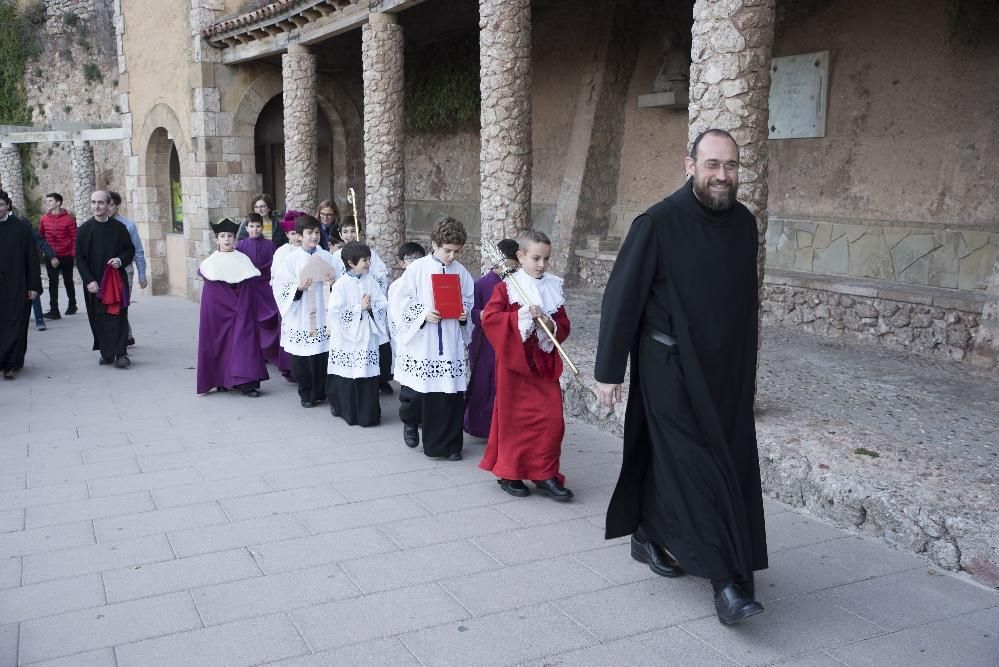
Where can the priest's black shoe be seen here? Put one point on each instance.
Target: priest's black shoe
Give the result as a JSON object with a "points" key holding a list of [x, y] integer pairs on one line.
{"points": [[659, 560], [733, 605], [411, 435], [454, 457], [105, 361], [514, 487], [308, 404], [252, 393], [122, 361], [72, 309], [52, 315], [554, 490]]}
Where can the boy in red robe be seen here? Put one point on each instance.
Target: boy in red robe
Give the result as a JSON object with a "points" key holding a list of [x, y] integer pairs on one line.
{"points": [[525, 439]]}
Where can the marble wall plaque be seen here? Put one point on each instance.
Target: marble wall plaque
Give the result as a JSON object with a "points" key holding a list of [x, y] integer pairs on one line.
{"points": [[799, 87]]}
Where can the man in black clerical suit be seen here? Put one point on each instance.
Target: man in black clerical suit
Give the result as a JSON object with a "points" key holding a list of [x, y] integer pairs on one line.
{"points": [[682, 300]]}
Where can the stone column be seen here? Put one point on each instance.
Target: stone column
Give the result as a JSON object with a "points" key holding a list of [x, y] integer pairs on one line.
{"points": [[384, 168], [730, 86], [505, 159], [298, 68], [84, 182], [11, 178]]}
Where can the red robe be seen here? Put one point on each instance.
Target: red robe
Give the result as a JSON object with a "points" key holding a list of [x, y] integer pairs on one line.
{"points": [[525, 439]]}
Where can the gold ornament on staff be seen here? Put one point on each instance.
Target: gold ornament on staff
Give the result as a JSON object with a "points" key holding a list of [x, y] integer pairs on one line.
{"points": [[352, 200], [494, 254]]}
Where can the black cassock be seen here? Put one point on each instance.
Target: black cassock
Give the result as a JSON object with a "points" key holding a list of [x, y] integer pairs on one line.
{"points": [[96, 243], [690, 476], [19, 272]]}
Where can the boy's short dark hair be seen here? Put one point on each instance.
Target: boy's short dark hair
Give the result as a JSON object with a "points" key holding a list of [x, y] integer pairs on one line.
{"points": [[114, 197], [509, 248], [254, 217], [352, 252], [447, 230], [347, 222], [306, 221], [410, 249], [54, 195], [529, 236]]}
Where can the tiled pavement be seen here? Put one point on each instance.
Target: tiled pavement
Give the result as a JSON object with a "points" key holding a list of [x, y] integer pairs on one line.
{"points": [[144, 525]]}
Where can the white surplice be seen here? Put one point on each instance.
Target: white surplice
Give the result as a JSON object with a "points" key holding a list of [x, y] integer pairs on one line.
{"points": [[298, 337], [280, 255], [354, 333], [378, 271], [429, 357]]}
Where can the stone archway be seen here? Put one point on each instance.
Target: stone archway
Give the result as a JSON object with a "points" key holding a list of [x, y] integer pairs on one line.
{"points": [[161, 142]]}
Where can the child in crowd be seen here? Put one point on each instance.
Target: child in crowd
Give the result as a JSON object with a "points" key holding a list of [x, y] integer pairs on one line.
{"points": [[300, 291], [260, 250], [408, 253], [229, 353], [430, 351], [525, 440], [357, 318], [482, 384], [287, 225]]}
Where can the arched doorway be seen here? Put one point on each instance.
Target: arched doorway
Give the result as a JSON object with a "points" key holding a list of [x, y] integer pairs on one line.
{"points": [[164, 210]]}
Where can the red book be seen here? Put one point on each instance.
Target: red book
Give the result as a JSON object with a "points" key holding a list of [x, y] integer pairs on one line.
{"points": [[447, 295]]}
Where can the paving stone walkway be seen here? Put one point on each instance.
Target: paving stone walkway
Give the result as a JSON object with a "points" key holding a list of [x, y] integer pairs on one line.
{"points": [[144, 525]]}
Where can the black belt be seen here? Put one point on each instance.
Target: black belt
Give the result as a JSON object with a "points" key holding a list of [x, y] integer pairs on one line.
{"points": [[660, 337]]}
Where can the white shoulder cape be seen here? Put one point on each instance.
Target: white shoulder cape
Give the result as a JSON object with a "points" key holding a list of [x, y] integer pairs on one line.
{"points": [[230, 267]]}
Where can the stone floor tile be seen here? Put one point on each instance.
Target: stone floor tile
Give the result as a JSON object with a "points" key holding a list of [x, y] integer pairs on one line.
{"points": [[258, 596], [537, 542], [131, 526], [788, 628], [453, 498], [22, 463], [947, 642], [378, 615], [638, 607], [93, 508], [45, 495], [277, 502], [790, 529], [911, 598], [350, 451], [101, 627], [145, 481], [11, 520], [392, 485], [10, 573], [320, 549], [987, 619], [804, 570], [615, 563], [190, 494], [236, 534], [772, 507], [818, 659], [81, 473], [523, 585], [537, 509], [14, 482], [180, 574], [51, 597], [405, 462], [76, 445], [320, 474], [132, 451], [95, 558], [185, 458], [245, 466], [102, 657], [421, 531], [9, 644], [365, 513], [671, 646], [374, 653], [399, 569], [238, 644], [499, 639], [49, 538], [151, 424]]}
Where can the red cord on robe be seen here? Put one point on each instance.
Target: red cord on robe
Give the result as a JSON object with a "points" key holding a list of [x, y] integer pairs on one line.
{"points": [[112, 292]]}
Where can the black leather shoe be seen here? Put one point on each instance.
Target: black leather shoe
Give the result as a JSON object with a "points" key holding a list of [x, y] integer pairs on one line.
{"points": [[554, 490], [72, 309], [105, 361], [252, 393], [411, 435], [514, 487], [308, 404], [454, 457], [748, 587], [733, 605], [659, 560], [131, 342], [122, 362], [52, 315]]}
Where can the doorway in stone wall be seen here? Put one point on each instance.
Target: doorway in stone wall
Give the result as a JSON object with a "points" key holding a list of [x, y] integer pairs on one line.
{"points": [[268, 138]]}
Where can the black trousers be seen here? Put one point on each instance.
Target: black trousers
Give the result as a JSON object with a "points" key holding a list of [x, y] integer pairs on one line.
{"points": [[385, 362], [355, 400], [310, 373], [439, 414], [110, 331], [65, 269]]}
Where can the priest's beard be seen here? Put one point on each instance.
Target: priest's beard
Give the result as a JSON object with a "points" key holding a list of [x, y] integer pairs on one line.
{"points": [[718, 200]]}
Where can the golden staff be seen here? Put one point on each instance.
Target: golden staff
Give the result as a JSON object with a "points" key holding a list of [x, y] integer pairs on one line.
{"points": [[496, 256], [352, 200]]}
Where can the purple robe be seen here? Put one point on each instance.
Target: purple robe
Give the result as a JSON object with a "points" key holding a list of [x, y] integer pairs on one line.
{"points": [[261, 253], [228, 343], [481, 392]]}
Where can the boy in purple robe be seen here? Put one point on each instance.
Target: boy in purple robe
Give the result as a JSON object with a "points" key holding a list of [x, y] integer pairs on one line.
{"points": [[229, 353], [260, 250], [481, 392]]}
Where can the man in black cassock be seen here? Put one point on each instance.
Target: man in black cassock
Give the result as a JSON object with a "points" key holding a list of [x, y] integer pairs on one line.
{"points": [[682, 300], [20, 283], [102, 241]]}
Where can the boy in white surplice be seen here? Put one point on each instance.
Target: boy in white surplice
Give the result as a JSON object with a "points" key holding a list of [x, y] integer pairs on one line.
{"points": [[357, 320], [430, 351], [301, 299]]}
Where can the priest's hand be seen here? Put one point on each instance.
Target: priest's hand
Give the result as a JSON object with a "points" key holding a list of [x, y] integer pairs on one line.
{"points": [[32, 295], [143, 283], [433, 317], [609, 394], [366, 302], [464, 316], [115, 263], [92, 287], [54, 262], [305, 284]]}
